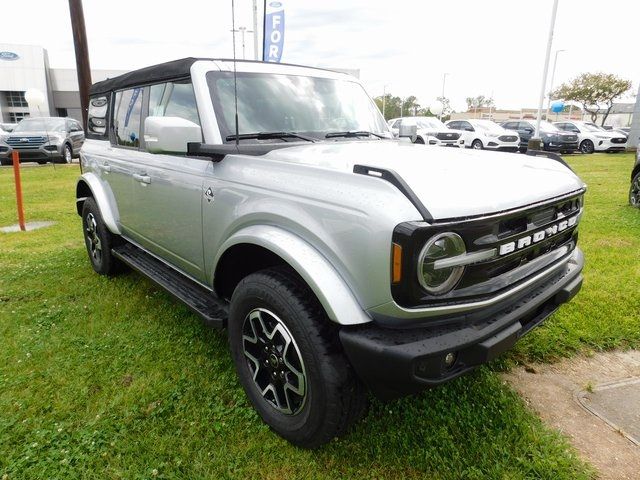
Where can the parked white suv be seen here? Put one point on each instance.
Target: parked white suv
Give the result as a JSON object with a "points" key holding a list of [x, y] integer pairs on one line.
{"points": [[338, 259], [485, 134], [592, 138], [430, 131]]}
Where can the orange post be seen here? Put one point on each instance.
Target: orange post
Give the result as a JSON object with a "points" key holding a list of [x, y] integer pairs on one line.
{"points": [[16, 174]]}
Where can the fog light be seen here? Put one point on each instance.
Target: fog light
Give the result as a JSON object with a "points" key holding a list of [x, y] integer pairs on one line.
{"points": [[449, 359]]}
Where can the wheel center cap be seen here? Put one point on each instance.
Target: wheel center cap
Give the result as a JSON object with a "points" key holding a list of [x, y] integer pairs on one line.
{"points": [[273, 360]]}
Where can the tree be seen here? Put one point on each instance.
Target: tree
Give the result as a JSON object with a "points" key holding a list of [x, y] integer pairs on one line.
{"points": [[473, 103], [592, 90], [395, 107]]}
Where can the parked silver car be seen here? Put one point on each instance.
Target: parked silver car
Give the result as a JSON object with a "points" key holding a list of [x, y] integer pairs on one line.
{"points": [[337, 258], [43, 139]]}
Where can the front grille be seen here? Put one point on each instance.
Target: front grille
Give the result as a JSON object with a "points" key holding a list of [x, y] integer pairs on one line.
{"points": [[618, 140], [507, 266], [508, 138], [447, 136], [569, 138], [25, 141]]}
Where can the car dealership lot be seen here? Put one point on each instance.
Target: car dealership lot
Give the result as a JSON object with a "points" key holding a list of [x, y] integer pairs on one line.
{"points": [[109, 378]]}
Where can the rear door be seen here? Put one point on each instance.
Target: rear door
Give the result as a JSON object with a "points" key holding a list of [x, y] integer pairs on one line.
{"points": [[168, 193]]}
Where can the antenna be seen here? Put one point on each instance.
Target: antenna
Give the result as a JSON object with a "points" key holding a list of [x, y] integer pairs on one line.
{"points": [[235, 79]]}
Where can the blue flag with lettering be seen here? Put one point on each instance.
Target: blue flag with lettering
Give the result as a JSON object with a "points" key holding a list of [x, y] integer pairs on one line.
{"points": [[273, 31]]}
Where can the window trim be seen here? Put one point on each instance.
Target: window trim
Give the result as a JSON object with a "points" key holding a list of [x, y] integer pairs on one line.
{"points": [[112, 133]]}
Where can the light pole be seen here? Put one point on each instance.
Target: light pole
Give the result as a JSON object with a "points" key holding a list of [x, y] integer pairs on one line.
{"points": [[242, 30], [384, 100], [553, 76], [444, 81], [255, 30]]}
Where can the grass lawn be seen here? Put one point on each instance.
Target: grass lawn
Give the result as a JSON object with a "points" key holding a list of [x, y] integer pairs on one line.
{"points": [[111, 378]]}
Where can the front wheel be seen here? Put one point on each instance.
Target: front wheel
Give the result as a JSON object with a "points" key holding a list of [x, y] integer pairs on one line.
{"points": [[289, 360], [587, 146], [67, 154], [477, 145], [419, 140], [99, 240], [634, 191]]}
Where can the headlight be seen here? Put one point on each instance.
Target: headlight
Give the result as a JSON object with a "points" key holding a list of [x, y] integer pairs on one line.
{"points": [[492, 134], [437, 279]]}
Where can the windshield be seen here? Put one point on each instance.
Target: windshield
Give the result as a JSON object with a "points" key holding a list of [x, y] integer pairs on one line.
{"points": [[430, 123], [487, 126], [547, 126], [40, 125], [290, 103]]}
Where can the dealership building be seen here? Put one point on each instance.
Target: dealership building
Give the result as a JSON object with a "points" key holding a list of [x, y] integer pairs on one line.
{"points": [[27, 66]]}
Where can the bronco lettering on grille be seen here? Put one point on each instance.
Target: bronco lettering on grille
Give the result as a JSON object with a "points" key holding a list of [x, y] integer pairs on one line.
{"points": [[537, 237]]}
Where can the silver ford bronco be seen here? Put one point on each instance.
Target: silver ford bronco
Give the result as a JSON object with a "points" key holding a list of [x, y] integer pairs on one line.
{"points": [[273, 200]]}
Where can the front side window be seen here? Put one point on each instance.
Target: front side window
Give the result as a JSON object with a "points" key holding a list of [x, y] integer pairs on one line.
{"points": [[311, 106], [127, 111], [174, 99]]}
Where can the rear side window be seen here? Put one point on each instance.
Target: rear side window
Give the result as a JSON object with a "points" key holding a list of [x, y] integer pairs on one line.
{"points": [[97, 117], [127, 113], [173, 99]]}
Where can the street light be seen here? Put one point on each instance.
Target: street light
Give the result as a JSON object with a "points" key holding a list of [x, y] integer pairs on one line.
{"points": [[242, 30], [444, 81], [553, 76], [384, 100]]}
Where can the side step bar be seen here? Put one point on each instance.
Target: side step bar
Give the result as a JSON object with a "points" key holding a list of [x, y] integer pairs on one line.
{"points": [[214, 312]]}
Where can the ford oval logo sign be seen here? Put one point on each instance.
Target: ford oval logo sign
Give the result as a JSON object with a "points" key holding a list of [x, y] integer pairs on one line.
{"points": [[275, 4], [9, 56]]}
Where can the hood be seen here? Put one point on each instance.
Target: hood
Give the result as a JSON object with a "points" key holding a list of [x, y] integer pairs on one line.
{"points": [[451, 183], [37, 133]]}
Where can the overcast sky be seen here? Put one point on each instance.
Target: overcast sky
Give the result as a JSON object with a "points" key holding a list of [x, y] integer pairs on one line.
{"points": [[488, 47]]}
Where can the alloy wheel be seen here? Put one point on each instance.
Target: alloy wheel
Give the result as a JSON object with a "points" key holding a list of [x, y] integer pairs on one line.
{"points": [[67, 154], [93, 239], [274, 360]]}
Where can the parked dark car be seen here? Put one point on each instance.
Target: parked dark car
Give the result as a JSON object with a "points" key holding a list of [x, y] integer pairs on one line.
{"points": [[553, 140], [43, 139]]}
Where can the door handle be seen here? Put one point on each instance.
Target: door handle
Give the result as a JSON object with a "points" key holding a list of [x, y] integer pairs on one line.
{"points": [[142, 178], [105, 167]]}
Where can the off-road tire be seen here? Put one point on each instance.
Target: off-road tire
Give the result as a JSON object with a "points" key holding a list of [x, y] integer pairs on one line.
{"points": [[634, 191], [335, 397], [104, 263]]}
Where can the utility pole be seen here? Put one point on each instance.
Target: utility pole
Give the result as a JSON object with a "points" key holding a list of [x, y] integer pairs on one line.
{"points": [[534, 143], [255, 30], [82, 55], [384, 100]]}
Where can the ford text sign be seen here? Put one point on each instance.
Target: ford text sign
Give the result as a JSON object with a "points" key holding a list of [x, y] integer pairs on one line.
{"points": [[9, 56], [273, 31]]}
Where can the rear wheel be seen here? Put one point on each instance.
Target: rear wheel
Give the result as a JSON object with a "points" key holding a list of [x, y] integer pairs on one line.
{"points": [[477, 145], [289, 360], [634, 191], [586, 146], [99, 240]]}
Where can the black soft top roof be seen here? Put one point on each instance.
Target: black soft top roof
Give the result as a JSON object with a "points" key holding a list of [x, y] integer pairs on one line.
{"points": [[155, 73], [162, 72]]}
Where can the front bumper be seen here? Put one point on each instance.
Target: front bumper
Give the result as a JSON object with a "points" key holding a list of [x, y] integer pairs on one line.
{"points": [[49, 151], [458, 143], [394, 362], [561, 146]]}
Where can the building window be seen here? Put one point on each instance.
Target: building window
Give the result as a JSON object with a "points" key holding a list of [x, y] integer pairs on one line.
{"points": [[62, 112], [15, 99], [15, 117]]}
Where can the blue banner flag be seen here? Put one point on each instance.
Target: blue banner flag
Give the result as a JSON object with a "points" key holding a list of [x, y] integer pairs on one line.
{"points": [[273, 31]]}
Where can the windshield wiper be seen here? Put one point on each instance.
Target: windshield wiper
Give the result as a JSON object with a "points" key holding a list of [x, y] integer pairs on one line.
{"points": [[353, 133], [269, 136]]}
